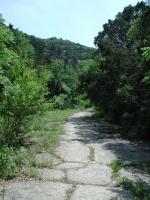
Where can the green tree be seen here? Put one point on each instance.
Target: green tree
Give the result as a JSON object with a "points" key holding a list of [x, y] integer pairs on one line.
{"points": [[120, 84], [22, 89]]}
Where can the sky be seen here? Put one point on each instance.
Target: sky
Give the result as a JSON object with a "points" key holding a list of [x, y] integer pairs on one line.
{"points": [[75, 20]]}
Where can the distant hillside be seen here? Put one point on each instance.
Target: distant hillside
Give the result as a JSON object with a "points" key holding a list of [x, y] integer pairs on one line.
{"points": [[53, 48], [46, 50]]}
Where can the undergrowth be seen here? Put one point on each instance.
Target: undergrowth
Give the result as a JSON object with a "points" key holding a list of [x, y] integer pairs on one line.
{"points": [[137, 188], [42, 135]]}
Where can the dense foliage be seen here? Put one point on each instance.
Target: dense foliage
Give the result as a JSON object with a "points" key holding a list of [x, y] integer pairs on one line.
{"points": [[33, 72], [118, 79], [53, 48], [115, 77], [22, 89], [60, 57]]}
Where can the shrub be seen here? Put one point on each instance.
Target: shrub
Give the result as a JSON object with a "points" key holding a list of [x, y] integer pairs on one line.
{"points": [[8, 167], [82, 101], [12, 160], [22, 89], [59, 102], [21, 99]]}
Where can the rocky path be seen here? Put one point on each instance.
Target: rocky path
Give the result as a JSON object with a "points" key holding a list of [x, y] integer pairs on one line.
{"points": [[82, 168]]}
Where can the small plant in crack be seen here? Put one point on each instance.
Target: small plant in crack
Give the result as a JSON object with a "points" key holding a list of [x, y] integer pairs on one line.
{"points": [[116, 166], [114, 198], [137, 188], [91, 154], [67, 181], [70, 191], [48, 165], [2, 194]]}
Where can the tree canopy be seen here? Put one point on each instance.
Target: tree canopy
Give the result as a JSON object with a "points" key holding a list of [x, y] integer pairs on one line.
{"points": [[118, 81]]}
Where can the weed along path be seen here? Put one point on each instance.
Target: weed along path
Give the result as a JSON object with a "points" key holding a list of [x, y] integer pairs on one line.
{"points": [[83, 165]]}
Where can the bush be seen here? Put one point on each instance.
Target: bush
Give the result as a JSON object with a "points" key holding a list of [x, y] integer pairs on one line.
{"points": [[8, 166], [22, 89], [12, 160], [25, 96], [82, 101], [59, 102]]}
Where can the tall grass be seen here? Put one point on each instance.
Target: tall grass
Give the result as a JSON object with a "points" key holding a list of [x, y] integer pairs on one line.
{"points": [[42, 134]]}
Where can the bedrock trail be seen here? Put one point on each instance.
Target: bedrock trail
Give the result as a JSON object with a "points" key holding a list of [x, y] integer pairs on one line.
{"points": [[82, 165]]}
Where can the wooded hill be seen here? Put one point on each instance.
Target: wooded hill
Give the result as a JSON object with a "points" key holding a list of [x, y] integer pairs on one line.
{"points": [[46, 50], [53, 48]]}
